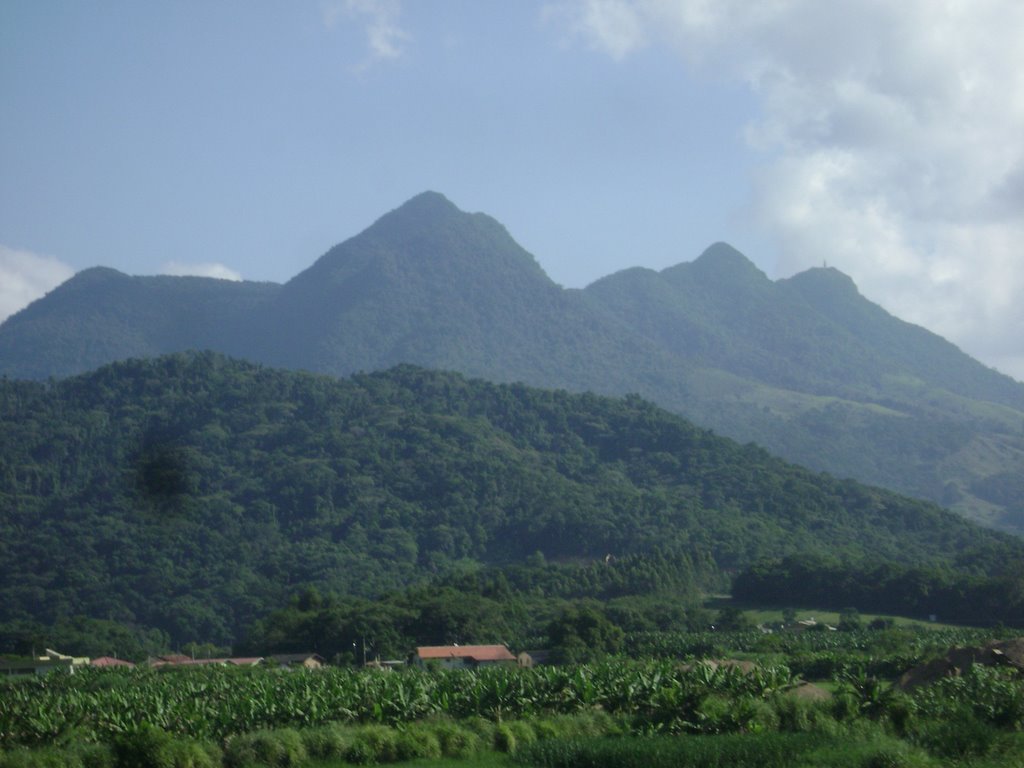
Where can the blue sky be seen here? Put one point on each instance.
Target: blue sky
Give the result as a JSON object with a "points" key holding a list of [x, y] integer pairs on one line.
{"points": [[243, 139]]}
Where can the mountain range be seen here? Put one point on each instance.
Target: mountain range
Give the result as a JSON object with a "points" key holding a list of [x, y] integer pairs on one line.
{"points": [[806, 367]]}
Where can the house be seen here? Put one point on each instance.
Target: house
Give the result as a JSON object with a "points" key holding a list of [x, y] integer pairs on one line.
{"points": [[43, 665], [530, 659], [464, 656], [178, 660], [306, 660]]}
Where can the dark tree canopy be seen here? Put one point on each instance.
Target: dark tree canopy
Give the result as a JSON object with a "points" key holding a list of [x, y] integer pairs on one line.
{"points": [[192, 494]]}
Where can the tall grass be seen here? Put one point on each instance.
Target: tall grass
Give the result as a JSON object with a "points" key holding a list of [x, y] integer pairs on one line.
{"points": [[771, 750]]}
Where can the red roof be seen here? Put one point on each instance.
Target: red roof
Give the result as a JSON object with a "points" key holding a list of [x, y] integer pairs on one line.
{"points": [[474, 652], [110, 661], [174, 658]]}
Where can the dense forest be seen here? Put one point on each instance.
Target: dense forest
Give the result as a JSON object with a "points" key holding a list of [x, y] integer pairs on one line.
{"points": [[806, 367], [887, 587], [193, 494]]}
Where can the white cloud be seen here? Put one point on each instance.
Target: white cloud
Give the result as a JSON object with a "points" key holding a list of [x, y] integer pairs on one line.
{"points": [[894, 142], [206, 269], [613, 26], [385, 37], [25, 277]]}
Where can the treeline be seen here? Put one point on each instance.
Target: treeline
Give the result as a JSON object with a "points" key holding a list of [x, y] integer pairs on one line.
{"points": [[954, 596], [192, 494], [579, 612]]}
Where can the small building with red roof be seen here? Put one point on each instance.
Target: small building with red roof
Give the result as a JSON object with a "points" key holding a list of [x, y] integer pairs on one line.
{"points": [[460, 656]]}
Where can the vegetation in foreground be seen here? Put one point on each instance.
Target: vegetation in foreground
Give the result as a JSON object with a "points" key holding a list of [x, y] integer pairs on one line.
{"points": [[615, 713]]}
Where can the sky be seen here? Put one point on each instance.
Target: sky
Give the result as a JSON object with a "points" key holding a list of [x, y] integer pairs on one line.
{"points": [[241, 139]]}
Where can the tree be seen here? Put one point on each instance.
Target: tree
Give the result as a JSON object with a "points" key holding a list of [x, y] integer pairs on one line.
{"points": [[732, 619], [849, 620], [583, 633]]}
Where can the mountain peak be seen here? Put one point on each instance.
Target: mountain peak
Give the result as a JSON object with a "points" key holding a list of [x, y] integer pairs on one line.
{"points": [[427, 203], [423, 284], [431, 215], [719, 264], [425, 212], [97, 275], [824, 282], [428, 235], [722, 258]]}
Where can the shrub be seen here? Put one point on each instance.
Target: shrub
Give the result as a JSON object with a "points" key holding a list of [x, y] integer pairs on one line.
{"points": [[153, 747], [730, 714], [845, 706], [523, 731], [901, 713], [504, 739], [712, 715], [591, 722], [101, 756], [192, 754], [796, 715], [992, 694], [734, 750], [418, 741], [481, 727], [373, 743], [547, 728], [360, 753], [280, 748], [60, 756], [755, 715], [1008, 750], [770, 750], [877, 751], [455, 740], [964, 736], [45, 757], [146, 745], [326, 741]]}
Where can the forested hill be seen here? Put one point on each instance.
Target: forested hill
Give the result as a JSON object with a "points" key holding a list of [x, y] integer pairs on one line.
{"points": [[806, 367], [101, 315], [192, 493]]}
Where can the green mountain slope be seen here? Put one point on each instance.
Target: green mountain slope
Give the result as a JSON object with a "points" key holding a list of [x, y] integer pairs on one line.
{"points": [[901, 348], [100, 315], [823, 377], [806, 367], [191, 492]]}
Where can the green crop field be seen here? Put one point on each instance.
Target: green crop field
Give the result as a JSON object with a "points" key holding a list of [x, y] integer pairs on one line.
{"points": [[620, 712]]}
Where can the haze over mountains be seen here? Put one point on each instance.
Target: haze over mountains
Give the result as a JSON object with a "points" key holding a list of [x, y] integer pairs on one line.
{"points": [[806, 367]]}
